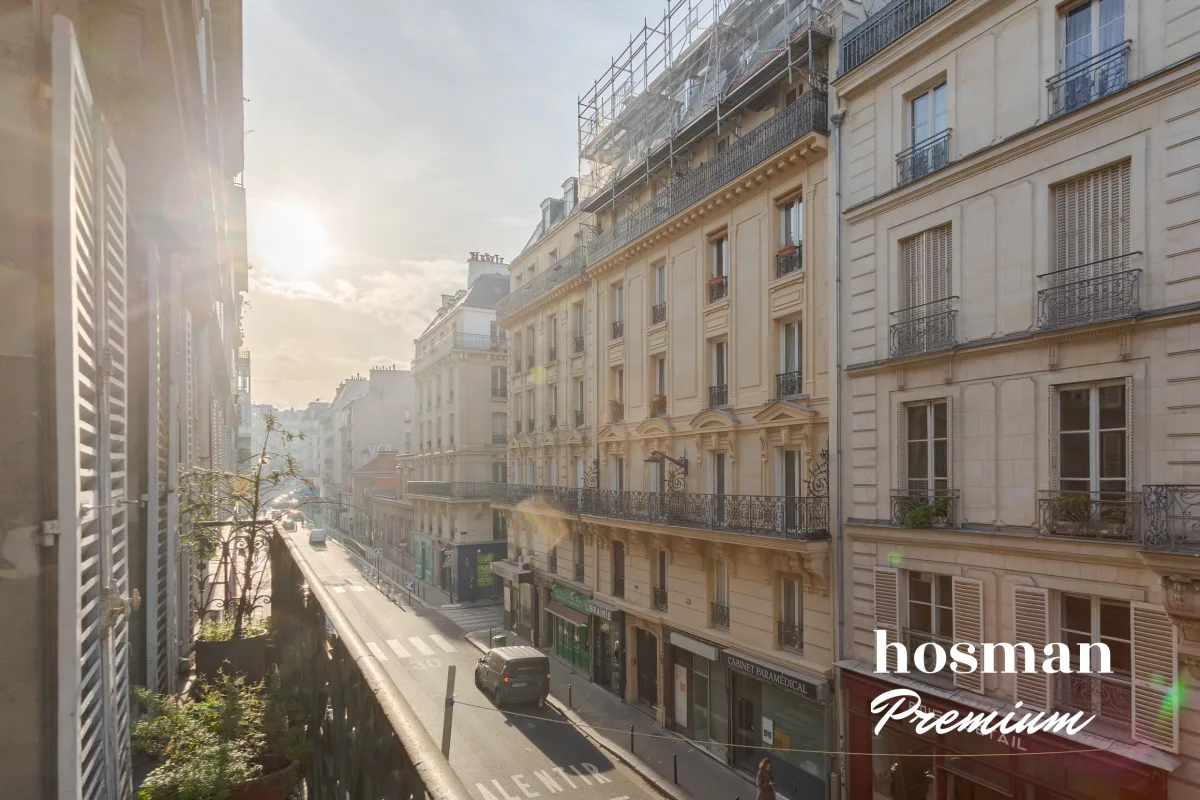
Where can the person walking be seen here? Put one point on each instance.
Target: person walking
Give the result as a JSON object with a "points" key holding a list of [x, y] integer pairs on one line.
{"points": [[765, 782]]}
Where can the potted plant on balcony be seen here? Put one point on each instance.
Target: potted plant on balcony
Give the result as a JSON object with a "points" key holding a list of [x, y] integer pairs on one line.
{"points": [[926, 512], [716, 280], [228, 529], [787, 250]]}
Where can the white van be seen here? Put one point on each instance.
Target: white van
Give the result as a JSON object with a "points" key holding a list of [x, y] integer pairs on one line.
{"points": [[316, 536]]}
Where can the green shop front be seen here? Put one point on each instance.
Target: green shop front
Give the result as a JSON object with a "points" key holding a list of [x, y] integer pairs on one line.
{"points": [[567, 627], [424, 553]]}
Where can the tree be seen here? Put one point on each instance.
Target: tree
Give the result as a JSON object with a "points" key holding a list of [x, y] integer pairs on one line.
{"points": [[226, 513]]}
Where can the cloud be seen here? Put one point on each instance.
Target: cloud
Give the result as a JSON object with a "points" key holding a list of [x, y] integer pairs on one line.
{"points": [[514, 221]]}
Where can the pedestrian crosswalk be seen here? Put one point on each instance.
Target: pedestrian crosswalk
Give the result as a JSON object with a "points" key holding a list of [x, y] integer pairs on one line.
{"points": [[479, 618], [418, 645]]}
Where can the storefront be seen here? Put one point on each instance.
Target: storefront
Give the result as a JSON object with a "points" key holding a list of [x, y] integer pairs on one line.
{"points": [[473, 579], [608, 646], [780, 710], [567, 625], [905, 765], [423, 558], [698, 691], [515, 581]]}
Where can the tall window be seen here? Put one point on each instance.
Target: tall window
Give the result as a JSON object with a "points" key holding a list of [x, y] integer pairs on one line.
{"points": [[499, 425], [660, 284], [791, 222], [577, 319], [789, 382], [618, 569], [579, 399], [925, 267], [531, 347], [1091, 28], [927, 451], [930, 612], [552, 338], [499, 381], [499, 472], [791, 474], [618, 302], [720, 601], [1092, 439], [928, 115], [618, 473], [719, 477], [552, 400], [791, 614], [552, 469], [660, 376], [660, 573], [1092, 217], [1095, 620], [720, 257], [519, 407], [718, 392]]}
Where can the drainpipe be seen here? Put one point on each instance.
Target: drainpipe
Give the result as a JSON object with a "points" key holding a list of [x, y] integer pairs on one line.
{"points": [[839, 549]]}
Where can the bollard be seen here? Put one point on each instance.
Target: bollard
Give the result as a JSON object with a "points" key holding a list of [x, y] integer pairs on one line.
{"points": [[570, 701], [631, 739], [675, 767]]}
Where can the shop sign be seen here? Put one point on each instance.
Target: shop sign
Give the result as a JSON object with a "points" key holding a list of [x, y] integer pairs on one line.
{"points": [[483, 568], [602, 610], [766, 674], [768, 729], [570, 598]]}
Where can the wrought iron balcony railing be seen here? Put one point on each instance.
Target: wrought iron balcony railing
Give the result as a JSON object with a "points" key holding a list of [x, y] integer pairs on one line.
{"points": [[720, 615], [925, 508], [461, 341], [789, 260], [560, 272], [658, 598], [499, 438], [789, 384], [578, 419], [658, 405], [808, 114], [796, 518], [500, 391], [884, 27], [578, 345], [579, 572], [1088, 81], [361, 730], [552, 422], [791, 636], [718, 288], [618, 328], [915, 638], [1101, 516], [1172, 518], [658, 314], [1095, 292], [1108, 697], [616, 411], [926, 328], [448, 489], [718, 396], [923, 158]]}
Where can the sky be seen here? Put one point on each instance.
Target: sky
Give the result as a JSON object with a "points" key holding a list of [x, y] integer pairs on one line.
{"points": [[386, 139]]}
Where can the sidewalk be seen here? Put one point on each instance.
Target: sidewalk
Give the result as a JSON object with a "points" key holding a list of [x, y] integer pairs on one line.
{"points": [[603, 717]]}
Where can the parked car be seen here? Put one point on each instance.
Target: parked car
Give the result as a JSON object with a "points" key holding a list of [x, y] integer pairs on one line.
{"points": [[316, 536], [289, 525], [518, 674]]}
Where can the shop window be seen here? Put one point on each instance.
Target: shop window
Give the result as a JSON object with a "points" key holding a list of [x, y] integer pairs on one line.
{"points": [[1095, 620]]}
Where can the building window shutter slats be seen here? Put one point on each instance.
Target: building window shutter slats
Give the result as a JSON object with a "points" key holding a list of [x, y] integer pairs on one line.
{"points": [[1031, 625], [968, 627], [950, 442], [1155, 696], [902, 447], [887, 607], [1129, 480], [1053, 436]]}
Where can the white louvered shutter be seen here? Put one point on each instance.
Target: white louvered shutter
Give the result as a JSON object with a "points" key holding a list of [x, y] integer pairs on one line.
{"points": [[1052, 429], [1031, 624], [1155, 696], [968, 627], [88, 191], [1129, 480], [950, 483], [1091, 214], [887, 609], [902, 448], [911, 275]]}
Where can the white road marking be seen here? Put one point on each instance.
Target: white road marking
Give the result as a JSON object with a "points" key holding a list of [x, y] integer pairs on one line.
{"points": [[358, 588], [399, 649], [338, 589], [595, 773], [442, 643], [377, 651], [422, 648], [579, 774]]}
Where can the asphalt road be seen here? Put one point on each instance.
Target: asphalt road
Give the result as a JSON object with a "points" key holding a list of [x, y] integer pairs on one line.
{"points": [[512, 754]]}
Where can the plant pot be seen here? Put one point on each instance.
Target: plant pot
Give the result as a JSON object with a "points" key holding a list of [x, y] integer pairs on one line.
{"points": [[245, 657], [787, 251], [276, 783]]}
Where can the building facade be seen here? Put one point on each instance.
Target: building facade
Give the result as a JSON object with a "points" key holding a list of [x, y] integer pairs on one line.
{"points": [[382, 420], [124, 247], [677, 550], [306, 448], [457, 361], [1020, 230], [245, 436], [334, 469]]}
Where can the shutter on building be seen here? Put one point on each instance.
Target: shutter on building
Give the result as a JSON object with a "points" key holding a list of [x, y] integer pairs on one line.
{"points": [[1052, 436], [1155, 696], [968, 627], [1129, 479], [1091, 214], [887, 608], [939, 264], [911, 274], [950, 443], [1031, 624], [902, 448]]}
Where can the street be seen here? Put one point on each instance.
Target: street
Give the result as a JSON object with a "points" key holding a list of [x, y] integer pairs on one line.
{"points": [[519, 753]]}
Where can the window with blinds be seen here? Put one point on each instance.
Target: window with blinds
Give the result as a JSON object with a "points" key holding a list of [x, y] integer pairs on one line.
{"points": [[925, 267], [1092, 279]]}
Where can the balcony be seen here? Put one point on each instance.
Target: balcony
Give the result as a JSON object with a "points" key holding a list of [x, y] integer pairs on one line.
{"points": [[1098, 516], [1096, 292], [1108, 697], [789, 384], [658, 314], [551, 354], [1172, 518], [809, 114], [499, 438], [923, 158], [658, 405], [559, 272], [618, 329], [926, 328], [469, 490], [720, 615], [791, 636], [365, 733], [718, 396], [658, 599], [461, 341], [579, 571], [510, 494], [1090, 80], [884, 27], [552, 422], [578, 419], [925, 508], [718, 288], [578, 345], [616, 411], [788, 260], [500, 392], [913, 639]]}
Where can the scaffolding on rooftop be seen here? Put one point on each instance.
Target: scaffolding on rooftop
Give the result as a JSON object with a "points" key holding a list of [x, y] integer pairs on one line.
{"points": [[690, 73]]}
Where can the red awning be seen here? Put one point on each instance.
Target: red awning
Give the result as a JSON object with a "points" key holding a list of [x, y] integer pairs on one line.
{"points": [[570, 615]]}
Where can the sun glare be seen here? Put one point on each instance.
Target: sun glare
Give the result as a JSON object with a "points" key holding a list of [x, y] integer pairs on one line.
{"points": [[290, 239]]}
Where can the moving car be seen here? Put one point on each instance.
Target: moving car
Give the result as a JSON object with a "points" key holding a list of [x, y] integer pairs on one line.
{"points": [[514, 675], [316, 536], [289, 525]]}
